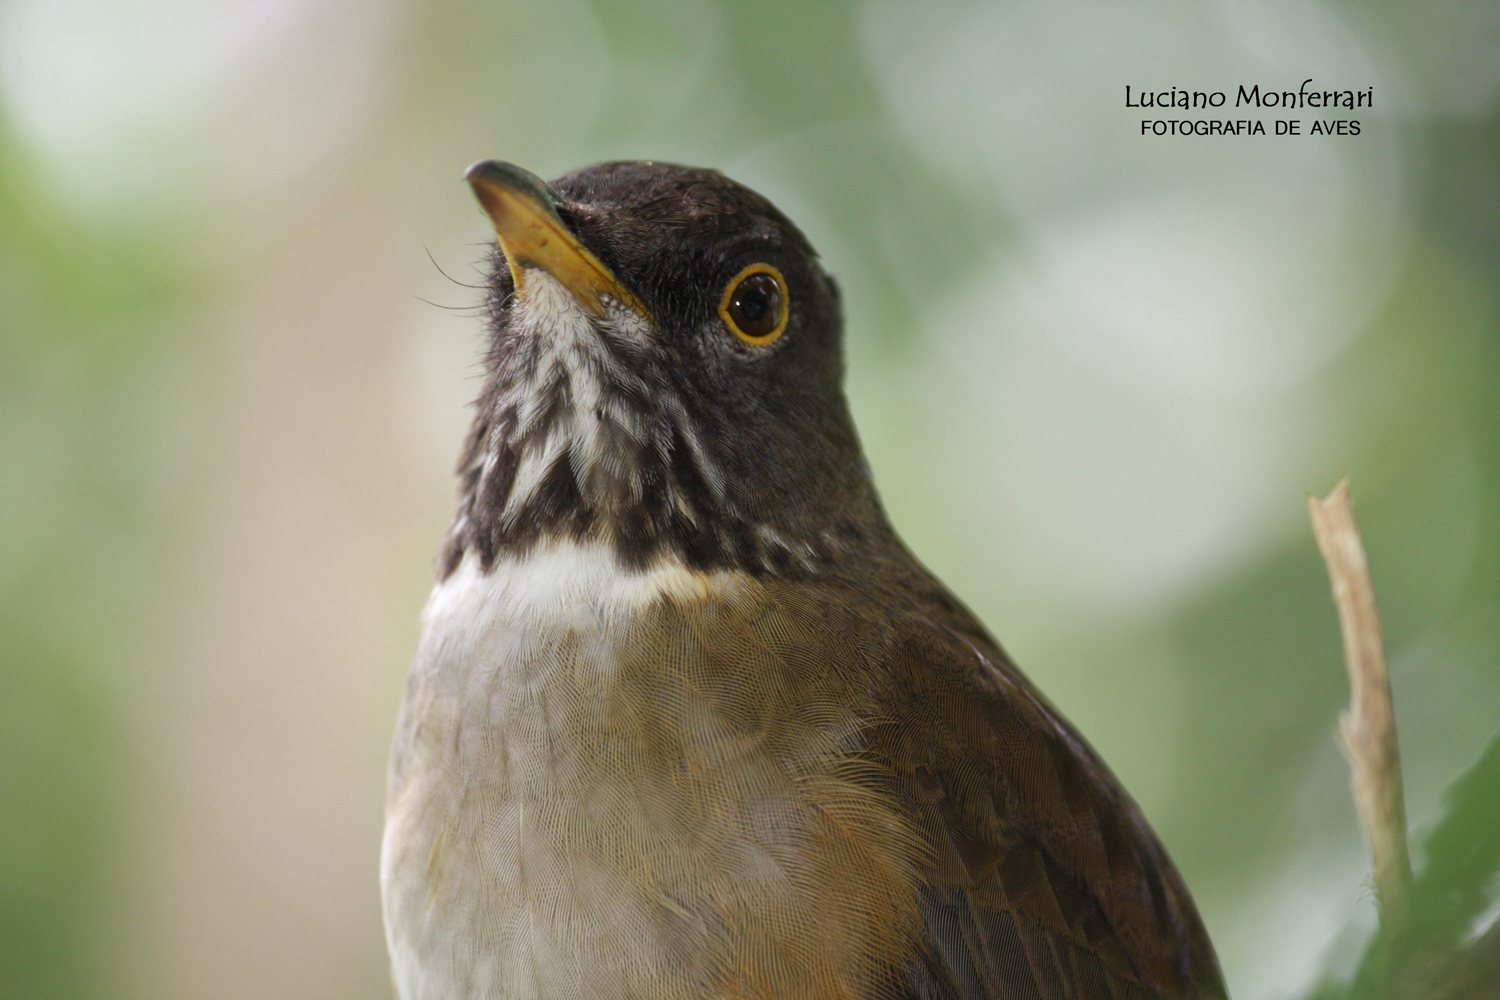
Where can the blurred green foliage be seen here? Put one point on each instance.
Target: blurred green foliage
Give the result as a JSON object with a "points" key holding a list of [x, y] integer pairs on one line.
{"points": [[85, 506], [1449, 946]]}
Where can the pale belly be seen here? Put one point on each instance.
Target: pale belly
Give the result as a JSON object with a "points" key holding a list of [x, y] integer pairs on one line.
{"points": [[612, 786]]}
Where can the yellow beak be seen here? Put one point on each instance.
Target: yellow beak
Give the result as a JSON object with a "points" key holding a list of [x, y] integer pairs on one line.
{"points": [[520, 207]]}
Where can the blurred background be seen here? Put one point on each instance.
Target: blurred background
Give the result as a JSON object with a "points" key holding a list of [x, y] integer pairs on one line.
{"points": [[1096, 374]]}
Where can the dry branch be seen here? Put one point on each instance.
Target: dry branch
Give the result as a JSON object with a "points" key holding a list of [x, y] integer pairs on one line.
{"points": [[1368, 729]]}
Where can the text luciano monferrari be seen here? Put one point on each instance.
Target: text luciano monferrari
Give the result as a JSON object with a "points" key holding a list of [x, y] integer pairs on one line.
{"points": [[1269, 98]]}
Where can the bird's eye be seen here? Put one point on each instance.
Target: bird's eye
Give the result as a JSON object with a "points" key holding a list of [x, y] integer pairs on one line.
{"points": [[754, 304]]}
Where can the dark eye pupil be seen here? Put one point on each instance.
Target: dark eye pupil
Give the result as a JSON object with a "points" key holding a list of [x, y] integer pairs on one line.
{"points": [[752, 305], [755, 305]]}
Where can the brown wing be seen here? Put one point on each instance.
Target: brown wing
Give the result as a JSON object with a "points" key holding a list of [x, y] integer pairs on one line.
{"points": [[1045, 882]]}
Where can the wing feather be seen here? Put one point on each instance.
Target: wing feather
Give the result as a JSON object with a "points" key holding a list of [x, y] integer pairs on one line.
{"points": [[1045, 881]]}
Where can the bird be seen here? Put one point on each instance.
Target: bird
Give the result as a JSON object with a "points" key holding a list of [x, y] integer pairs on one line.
{"points": [[686, 719]]}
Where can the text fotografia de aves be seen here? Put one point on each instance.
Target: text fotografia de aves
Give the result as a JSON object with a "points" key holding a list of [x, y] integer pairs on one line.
{"points": [[1299, 98]]}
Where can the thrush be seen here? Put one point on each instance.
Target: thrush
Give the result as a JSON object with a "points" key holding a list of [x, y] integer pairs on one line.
{"points": [[686, 720]]}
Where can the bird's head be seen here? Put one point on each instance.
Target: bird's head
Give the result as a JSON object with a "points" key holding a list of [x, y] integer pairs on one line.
{"points": [[664, 377]]}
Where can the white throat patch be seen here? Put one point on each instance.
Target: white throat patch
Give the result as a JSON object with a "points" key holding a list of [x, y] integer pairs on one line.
{"points": [[562, 582]]}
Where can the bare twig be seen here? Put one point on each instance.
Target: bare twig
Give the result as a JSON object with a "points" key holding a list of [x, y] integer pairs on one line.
{"points": [[1368, 729]]}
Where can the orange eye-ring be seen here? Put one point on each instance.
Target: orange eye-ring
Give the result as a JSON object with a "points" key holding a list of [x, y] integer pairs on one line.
{"points": [[754, 305]]}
